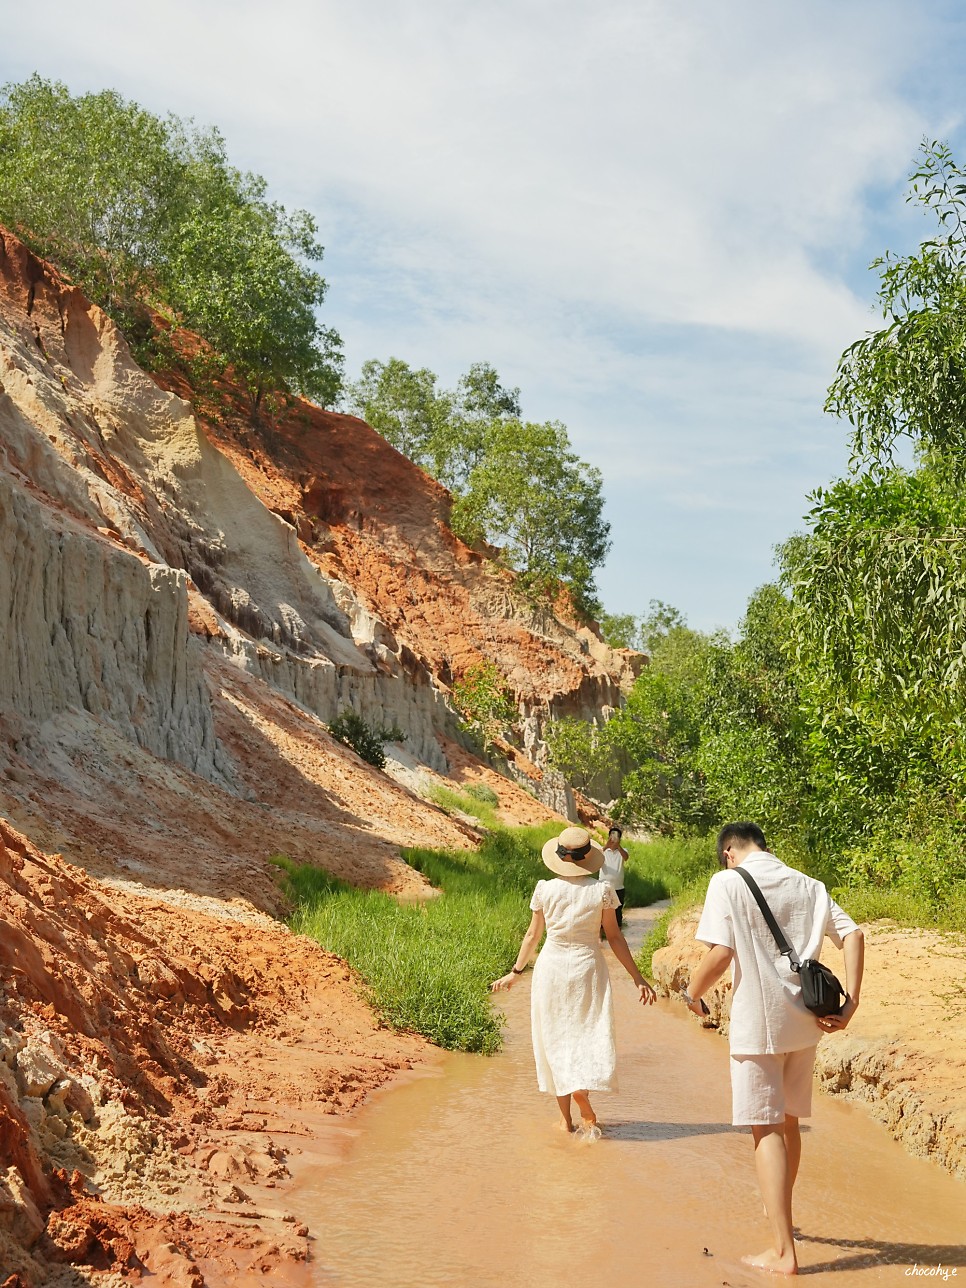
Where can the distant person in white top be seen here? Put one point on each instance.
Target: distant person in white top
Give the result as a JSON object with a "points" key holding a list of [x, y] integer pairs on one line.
{"points": [[773, 1037], [615, 856]]}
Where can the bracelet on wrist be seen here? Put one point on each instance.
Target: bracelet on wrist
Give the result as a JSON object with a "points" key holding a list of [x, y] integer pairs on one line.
{"points": [[514, 971]]}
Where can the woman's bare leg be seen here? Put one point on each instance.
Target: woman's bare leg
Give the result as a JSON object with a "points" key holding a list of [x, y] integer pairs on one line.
{"points": [[563, 1104]]}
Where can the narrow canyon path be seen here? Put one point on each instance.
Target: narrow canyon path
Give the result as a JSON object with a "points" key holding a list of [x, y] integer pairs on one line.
{"points": [[458, 1177]]}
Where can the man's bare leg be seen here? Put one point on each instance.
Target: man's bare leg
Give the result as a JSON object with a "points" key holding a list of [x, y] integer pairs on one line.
{"points": [[563, 1104], [775, 1180], [793, 1152], [587, 1116]]}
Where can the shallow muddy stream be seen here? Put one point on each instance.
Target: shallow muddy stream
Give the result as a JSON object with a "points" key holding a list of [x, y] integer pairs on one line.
{"points": [[459, 1177]]}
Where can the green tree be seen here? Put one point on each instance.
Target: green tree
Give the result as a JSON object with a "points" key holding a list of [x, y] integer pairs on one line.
{"points": [[580, 749], [878, 584], [644, 633], [533, 496], [404, 406], [147, 213], [657, 623], [753, 752], [620, 630], [516, 485], [479, 404], [90, 182], [659, 729], [908, 379], [484, 702], [879, 595], [238, 269]]}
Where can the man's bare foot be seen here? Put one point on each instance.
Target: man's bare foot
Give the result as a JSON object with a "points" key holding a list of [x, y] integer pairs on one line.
{"points": [[771, 1261]]}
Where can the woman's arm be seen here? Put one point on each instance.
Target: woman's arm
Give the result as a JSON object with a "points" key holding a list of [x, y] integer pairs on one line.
{"points": [[530, 940], [623, 954]]}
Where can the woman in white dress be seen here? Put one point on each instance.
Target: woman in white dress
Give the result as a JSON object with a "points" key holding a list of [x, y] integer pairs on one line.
{"points": [[571, 1008]]}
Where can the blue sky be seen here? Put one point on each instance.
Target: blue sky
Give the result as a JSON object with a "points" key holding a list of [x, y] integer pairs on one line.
{"points": [[656, 219]]}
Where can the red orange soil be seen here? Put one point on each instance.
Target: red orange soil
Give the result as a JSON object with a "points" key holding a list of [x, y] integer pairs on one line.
{"points": [[162, 1062]]}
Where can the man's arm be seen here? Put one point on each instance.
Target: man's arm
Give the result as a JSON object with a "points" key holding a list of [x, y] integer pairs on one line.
{"points": [[853, 949], [712, 966]]}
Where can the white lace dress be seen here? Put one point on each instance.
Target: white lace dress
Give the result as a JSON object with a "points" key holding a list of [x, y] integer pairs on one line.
{"points": [[571, 1008]]}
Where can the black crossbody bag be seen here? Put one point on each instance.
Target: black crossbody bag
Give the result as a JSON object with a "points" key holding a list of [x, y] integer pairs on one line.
{"points": [[821, 989]]}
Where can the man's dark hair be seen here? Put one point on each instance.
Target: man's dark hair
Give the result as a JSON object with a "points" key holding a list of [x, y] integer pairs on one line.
{"points": [[744, 833], [614, 828]]}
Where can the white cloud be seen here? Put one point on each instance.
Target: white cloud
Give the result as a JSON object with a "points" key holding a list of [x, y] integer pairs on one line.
{"points": [[652, 217]]}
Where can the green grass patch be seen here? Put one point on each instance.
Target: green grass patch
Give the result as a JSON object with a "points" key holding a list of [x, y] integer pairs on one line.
{"points": [[427, 967], [466, 803], [872, 903], [661, 869], [682, 867]]}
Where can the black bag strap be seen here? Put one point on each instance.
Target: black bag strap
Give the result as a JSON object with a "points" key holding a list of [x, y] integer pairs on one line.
{"points": [[784, 946]]}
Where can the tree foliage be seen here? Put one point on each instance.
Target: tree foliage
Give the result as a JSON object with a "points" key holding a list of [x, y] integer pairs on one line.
{"points": [[533, 496], [581, 750], [837, 717], [143, 211], [484, 702], [879, 582], [711, 727], [517, 485], [908, 379], [404, 406], [659, 731]]}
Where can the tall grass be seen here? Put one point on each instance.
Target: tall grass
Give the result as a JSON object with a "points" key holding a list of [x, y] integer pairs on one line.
{"points": [[682, 866], [871, 903], [427, 967], [467, 802]]}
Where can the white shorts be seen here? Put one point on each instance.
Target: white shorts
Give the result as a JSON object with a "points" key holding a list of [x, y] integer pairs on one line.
{"points": [[764, 1088]]}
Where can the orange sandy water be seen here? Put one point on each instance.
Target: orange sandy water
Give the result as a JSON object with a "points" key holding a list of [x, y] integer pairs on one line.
{"points": [[459, 1178]]}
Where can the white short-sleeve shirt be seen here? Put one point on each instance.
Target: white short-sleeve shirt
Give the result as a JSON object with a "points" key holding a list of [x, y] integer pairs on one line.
{"points": [[613, 870], [767, 1011]]}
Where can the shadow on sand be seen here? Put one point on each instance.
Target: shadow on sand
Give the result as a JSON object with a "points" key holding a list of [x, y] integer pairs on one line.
{"points": [[929, 1259]]}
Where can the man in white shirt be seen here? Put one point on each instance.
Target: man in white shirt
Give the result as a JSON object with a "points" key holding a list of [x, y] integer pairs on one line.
{"points": [[772, 1036]]}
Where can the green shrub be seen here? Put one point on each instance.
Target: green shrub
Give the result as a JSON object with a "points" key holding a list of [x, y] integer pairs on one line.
{"points": [[483, 793], [484, 703], [367, 742]]}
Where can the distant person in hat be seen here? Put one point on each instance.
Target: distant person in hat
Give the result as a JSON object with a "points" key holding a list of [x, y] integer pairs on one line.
{"points": [[571, 1008], [615, 856]]}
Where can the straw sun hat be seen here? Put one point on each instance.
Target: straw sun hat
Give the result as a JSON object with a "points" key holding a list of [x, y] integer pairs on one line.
{"points": [[573, 853]]}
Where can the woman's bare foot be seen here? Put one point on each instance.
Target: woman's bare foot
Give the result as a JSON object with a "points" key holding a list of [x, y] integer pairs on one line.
{"points": [[588, 1118], [771, 1261], [566, 1125]]}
